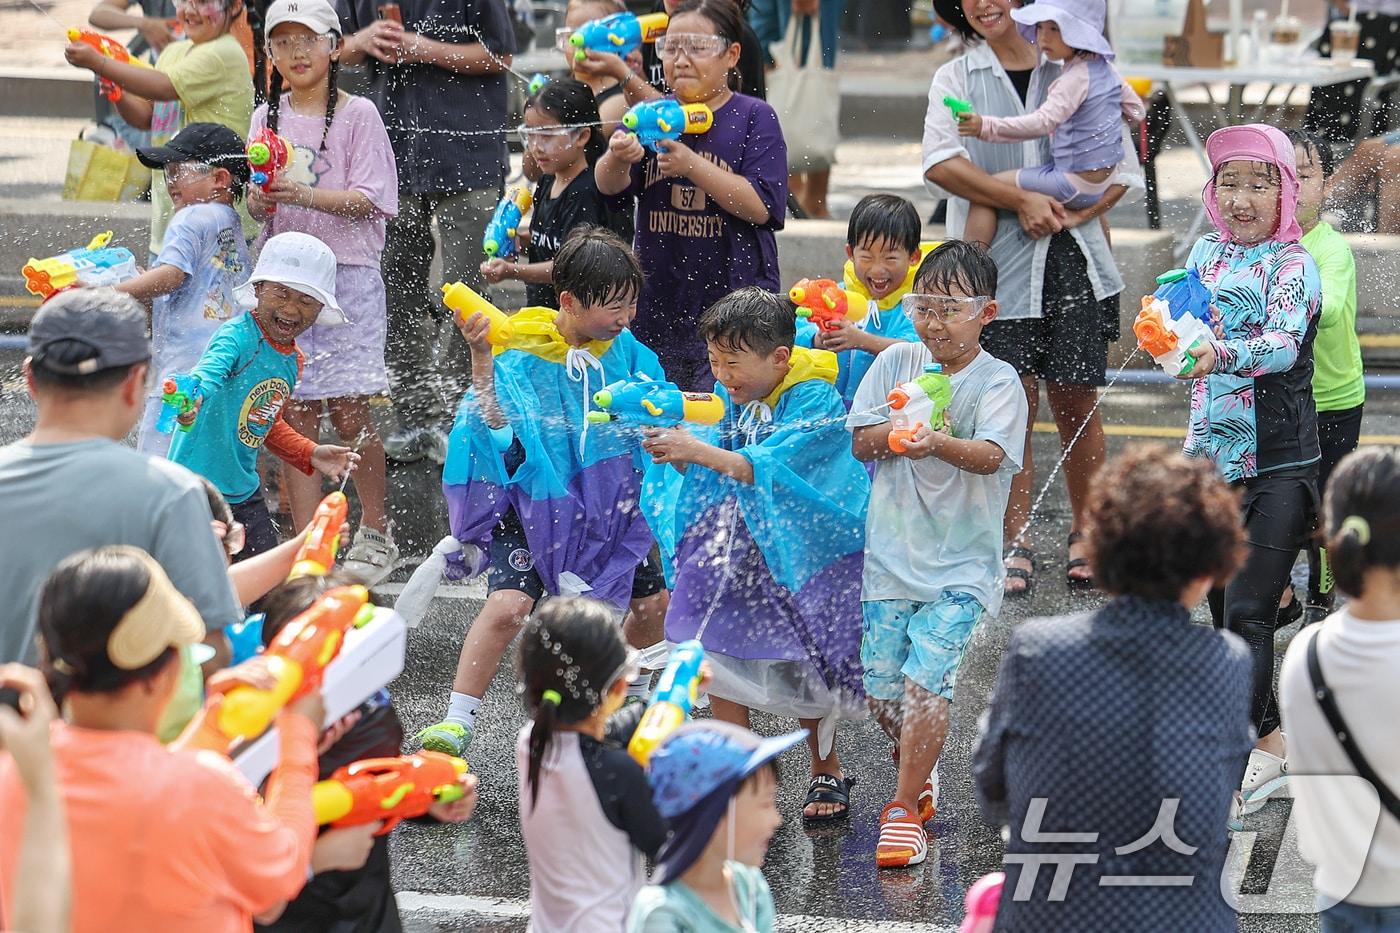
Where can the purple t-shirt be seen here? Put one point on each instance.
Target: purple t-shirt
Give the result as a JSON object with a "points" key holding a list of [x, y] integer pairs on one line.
{"points": [[692, 250], [357, 157]]}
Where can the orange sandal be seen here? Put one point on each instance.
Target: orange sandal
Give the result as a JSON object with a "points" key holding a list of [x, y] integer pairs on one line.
{"points": [[902, 840]]}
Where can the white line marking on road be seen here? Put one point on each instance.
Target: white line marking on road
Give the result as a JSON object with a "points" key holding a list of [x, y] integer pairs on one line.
{"points": [[447, 905]]}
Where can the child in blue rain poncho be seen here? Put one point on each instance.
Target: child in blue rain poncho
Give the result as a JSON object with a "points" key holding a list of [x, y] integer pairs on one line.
{"points": [[883, 253], [541, 502], [765, 517]]}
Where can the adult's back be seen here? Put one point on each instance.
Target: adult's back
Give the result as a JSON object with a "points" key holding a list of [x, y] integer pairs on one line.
{"points": [[70, 485]]}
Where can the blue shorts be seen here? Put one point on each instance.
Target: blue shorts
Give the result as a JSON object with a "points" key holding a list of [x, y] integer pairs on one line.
{"points": [[923, 642]]}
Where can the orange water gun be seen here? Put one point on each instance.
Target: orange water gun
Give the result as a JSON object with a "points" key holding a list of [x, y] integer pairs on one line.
{"points": [[823, 302], [296, 659], [388, 789], [112, 49], [316, 556]]}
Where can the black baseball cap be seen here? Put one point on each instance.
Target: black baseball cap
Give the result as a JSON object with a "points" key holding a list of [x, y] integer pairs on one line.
{"points": [[107, 327], [210, 143]]}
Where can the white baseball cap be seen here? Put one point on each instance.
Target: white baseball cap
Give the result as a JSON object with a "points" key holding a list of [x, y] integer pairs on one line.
{"points": [[299, 261], [317, 15]]}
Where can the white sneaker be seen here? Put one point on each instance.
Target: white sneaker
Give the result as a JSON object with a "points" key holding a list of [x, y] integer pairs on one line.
{"points": [[1234, 821], [372, 556], [1266, 776]]}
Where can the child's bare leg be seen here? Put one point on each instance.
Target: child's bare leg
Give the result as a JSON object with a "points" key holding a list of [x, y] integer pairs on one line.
{"points": [[303, 492], [487, 640], [888, 714], [829, 765], [645, 624], [355, 425], [729, 711], [924, 730], [981, 224]]}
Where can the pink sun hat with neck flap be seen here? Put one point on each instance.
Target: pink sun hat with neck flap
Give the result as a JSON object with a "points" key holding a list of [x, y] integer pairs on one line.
{"points": [[1080, 21], [1256, 142]]}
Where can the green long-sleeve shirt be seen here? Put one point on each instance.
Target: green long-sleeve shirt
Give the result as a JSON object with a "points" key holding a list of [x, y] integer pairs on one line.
{"points": [[1338, 382]]}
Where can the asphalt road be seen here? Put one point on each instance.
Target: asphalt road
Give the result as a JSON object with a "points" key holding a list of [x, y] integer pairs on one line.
{"points": [[474, 877]]}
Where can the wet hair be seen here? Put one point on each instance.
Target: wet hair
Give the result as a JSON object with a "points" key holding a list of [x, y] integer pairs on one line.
{"points": [[93, 301], [1160, 521], [1362, 523], [290, 598], [1312, 142], [884, 217], [728, 19], [957, 264], [570, 102], [570, 648], [749, 319], [274, 96], [218, 505], [1272, 170], [80, 605], [951, 12], [596, 267]]}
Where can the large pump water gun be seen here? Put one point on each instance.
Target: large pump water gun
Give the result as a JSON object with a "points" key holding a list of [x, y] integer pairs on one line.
{"points": [[981, 902], [652, 121], [94, 265], [824, 302], [179, 393], [464, 302], [654, 403], [919, 402], [296, 659], [269, 155], [388, 789], [671, 703], [112, 49], [499, 239], [316, 556], [620, 34], [1174, 320]]}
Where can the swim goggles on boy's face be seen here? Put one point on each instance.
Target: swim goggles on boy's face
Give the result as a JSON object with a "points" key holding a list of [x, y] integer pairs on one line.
{"points": [[545, 137], [209, 9], [948, 309], [177, 172], [290, 45], [695, 46]]}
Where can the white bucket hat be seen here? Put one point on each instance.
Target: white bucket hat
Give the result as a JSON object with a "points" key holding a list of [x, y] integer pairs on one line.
{"points": [[1081, 22], [317, 15], [299, 261]]}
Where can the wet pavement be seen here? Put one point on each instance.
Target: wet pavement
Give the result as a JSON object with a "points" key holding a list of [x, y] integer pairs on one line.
{"points": [[474, 877]]}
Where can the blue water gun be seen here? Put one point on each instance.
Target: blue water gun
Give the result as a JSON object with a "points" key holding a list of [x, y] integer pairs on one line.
{"points": [[537, 83], [671, 703], [654, 403], [1175, 321], [651, 121], [499, 240], [619, 34], [178, 394]]}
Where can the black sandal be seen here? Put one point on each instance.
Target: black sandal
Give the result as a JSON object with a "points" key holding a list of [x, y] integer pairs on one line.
{"points": [[1020, 573], [1082, 584], [825, 788]]}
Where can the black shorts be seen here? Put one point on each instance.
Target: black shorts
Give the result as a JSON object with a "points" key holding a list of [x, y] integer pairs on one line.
{"points": [[1068, 343], [512, 566]]}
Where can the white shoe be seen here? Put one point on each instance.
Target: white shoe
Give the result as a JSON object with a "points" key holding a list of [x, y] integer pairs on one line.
{"points": [[1234, 821], [372, 556], [1266, 776]]}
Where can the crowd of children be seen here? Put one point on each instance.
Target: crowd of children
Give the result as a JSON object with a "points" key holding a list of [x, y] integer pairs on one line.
{"points": [[832, 551]]}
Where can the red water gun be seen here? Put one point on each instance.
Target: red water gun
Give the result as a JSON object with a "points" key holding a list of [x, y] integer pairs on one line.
{"points": [[316, 556], [112, 49], [823, 302], [296, 659], [268, 156], [388, 789]]}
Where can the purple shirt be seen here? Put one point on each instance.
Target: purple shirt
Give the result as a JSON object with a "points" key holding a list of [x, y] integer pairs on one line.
{"points": [[692, 250], [357, 157]]}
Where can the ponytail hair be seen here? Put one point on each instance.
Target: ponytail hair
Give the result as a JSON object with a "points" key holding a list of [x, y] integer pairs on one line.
{"points": [[1362, 519], [570, 102], [728, 19], [570, 651]]}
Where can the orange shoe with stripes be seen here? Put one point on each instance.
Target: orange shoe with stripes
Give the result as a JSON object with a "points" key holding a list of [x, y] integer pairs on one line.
{"points": [[902, 840]]}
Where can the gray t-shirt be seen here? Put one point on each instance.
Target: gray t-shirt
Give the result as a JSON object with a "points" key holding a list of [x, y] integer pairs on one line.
{"points": [[57, 499], [930, 526]]}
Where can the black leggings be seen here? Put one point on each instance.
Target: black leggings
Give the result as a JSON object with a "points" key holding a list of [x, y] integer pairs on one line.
{"points": [[1278, 510], [1338, 432]]}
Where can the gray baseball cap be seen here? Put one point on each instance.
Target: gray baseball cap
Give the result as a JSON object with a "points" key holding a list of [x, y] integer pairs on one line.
{"points": [[108, 324]]}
